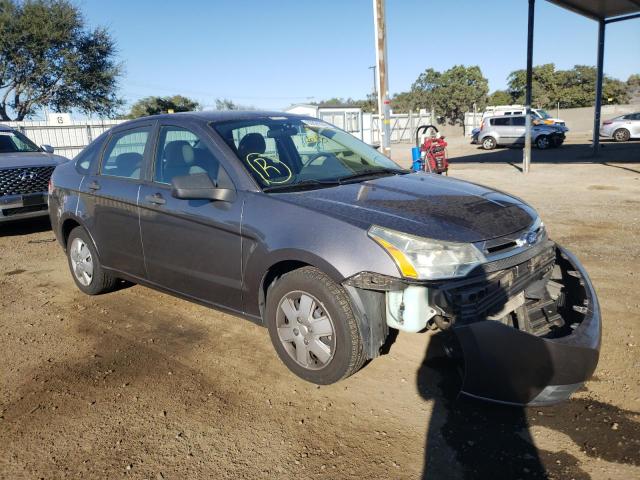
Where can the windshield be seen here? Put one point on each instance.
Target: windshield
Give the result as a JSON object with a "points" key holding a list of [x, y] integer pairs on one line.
{"points": [[282, 152], [15, 142], [543, 114]]}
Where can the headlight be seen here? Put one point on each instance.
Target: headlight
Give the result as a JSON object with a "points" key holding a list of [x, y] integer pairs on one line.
{"points": [[426, 259]]}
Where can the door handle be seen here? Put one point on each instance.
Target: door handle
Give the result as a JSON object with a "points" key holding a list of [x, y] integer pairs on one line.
{"points": [[156, 199], [94, 186]]}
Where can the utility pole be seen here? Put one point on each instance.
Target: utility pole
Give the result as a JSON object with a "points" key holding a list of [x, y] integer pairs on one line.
{"points": [[383, 87], [375, 89]]}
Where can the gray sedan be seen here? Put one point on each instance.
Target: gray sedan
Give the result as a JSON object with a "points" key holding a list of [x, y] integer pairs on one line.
{"points": [[622, 128], [296, 225]]}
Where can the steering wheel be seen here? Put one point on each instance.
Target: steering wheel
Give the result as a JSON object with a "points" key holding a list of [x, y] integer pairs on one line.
{"points": [[315, 157]]}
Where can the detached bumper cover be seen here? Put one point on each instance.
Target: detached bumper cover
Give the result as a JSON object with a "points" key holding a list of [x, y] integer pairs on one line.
{"points": [[507, 365]]}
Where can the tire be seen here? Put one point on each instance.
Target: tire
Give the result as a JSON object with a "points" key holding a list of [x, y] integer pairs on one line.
{"points": [[489, 143], [543, 142], [84, 264], [556, 141], [621, 135], [297, 336]]}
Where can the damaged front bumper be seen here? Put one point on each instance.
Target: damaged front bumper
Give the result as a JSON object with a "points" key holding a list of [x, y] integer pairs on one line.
{"points": [[508, 365], [527, 328]]}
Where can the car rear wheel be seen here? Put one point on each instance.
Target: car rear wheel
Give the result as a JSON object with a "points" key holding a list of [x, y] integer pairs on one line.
{"points": [[621, 135], [543, 142], [489, 143], [85, 266], [313, 328]]}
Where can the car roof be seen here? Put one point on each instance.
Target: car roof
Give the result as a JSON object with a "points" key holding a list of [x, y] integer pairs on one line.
{"points": [[506, 116], [5, 128], [216, 116]]}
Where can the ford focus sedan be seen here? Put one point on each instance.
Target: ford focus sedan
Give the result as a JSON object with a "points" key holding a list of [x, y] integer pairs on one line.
{"points": [[296, 225]]}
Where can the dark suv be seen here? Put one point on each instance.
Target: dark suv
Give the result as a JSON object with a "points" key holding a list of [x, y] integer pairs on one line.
{"points": [[296, 225], [25, 170]]}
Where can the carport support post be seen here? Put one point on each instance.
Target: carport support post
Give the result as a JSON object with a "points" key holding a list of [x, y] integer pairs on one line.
{"points": [[600, 74], [526, 158]]}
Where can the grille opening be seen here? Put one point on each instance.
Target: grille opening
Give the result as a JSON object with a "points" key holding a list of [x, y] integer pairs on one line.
{"points": [[24, 180], [502, 246], [8, 212]]}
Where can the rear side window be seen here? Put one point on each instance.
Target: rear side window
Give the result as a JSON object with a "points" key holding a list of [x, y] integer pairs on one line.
{"points": [[500, 121], [87, 157], [125, 152]]}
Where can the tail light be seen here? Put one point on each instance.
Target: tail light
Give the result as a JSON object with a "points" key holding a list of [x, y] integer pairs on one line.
{"points": [[607, 122], [482, 125]]}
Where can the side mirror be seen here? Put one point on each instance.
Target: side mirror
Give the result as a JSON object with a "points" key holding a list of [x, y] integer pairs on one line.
{"points": [[47, 148], [199, 187]]}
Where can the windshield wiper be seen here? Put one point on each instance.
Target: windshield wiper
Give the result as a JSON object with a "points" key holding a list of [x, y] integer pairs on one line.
{"points": [[305, 184], [372, 172]]}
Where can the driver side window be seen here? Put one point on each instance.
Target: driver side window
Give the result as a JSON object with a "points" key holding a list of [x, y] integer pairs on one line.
{"points": [[181, 152]]}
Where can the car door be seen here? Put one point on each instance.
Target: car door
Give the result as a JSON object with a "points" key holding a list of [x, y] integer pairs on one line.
{"points": [[502, 128], [517, 130], [192, 247], [110, 197], [635, 125]]}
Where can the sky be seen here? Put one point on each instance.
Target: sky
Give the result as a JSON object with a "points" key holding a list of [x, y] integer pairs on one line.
{"points": [[270, 54]]}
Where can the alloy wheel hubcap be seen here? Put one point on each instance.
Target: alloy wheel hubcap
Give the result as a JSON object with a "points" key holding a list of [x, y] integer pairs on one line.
{"points": [[81, 261], [305, 330]]}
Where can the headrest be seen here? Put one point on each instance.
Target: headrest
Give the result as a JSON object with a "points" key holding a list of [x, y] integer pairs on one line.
{"points": [[126, 163], [251, 143], [178, 153]]}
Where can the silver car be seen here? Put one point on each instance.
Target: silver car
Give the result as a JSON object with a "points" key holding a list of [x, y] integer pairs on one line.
{"points": [[25, 170], [510, 130], [621, 128]]}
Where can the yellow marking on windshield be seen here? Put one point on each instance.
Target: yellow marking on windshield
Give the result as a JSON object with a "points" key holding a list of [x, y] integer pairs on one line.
{"points": [[261, 166]]}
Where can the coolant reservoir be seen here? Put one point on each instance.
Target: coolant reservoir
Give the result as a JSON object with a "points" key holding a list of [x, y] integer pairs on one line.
{"points": [[409, 309]]}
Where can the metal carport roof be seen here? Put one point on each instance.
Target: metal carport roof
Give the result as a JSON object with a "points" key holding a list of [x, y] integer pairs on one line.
{"points": [[600, 9]]}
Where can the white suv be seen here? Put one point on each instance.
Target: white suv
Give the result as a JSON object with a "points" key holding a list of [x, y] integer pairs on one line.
{"points": [[539, 116]]}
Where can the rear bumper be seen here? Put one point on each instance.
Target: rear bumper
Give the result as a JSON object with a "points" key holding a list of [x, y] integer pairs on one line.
{"points": [[510, 366], [16, 207]]}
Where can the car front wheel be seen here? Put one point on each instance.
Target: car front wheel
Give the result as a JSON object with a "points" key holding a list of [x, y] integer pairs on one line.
{"points": [[621, 135], [313, 328], [543, 142], [85, 266]]}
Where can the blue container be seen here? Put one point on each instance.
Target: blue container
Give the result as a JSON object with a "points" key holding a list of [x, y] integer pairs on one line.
{"points": [[417, 162]]}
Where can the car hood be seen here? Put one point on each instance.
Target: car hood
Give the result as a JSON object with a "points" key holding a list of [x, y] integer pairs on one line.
{"points": [[30, 159], [426, 205]]}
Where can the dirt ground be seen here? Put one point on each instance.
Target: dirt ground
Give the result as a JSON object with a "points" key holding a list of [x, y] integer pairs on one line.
{"points": [[142, 385]]}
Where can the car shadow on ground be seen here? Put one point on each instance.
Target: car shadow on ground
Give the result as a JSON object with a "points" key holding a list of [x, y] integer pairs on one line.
{"points": [[610, 152], [484, 440]]}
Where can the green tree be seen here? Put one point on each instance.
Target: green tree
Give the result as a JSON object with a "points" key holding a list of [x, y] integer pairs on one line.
{"points": [[572, 88], [452, 92], [226, 104], [157, 105], [499, 97], [49, 58]]}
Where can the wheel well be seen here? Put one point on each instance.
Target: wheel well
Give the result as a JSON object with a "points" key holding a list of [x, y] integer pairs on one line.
{"points": [[68, 225], [275, 271]]}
